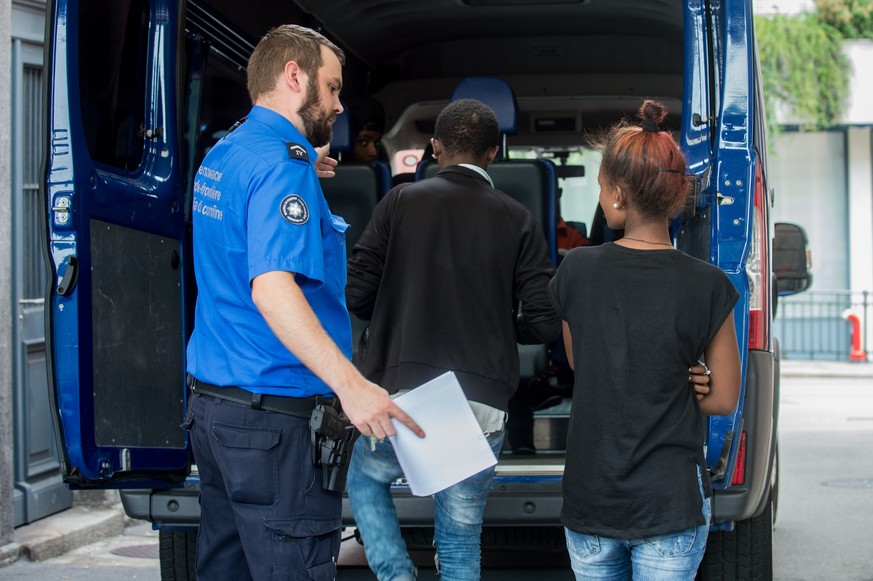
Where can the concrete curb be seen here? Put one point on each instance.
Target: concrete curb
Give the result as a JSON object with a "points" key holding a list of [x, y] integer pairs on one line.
{"points": [[9, 553], [826, 369], [62, 532]]}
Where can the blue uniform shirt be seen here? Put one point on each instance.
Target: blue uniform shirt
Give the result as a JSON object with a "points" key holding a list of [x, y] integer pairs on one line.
{"points": [[258, 207]]}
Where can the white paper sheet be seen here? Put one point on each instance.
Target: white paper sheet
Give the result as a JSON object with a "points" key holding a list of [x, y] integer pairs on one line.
{"points": [[454, 447]]}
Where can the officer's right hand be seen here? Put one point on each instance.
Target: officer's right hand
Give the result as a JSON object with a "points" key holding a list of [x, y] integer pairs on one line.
{"points": [[370, 409]]}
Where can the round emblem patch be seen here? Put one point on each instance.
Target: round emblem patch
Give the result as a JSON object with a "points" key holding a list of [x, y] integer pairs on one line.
{"points": [[294, 209]]}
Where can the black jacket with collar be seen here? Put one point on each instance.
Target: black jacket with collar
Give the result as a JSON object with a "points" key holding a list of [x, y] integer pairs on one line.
{"points": [[438, 272]]}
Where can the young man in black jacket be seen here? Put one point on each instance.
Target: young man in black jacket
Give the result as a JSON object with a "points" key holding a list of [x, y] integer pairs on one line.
{"points": [[438, 272]]}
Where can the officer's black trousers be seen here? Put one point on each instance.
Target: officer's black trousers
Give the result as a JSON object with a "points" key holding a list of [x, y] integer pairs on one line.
{"points": [[264, 514]]}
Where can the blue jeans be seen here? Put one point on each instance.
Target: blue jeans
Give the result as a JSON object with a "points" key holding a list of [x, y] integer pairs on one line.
{"points": [[671, 557], [457, 522]]}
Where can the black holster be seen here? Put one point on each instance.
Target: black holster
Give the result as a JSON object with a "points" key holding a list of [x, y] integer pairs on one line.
{"points": [[333, 436]]}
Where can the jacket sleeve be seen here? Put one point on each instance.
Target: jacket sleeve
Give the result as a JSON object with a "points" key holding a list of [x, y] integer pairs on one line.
{"points": [[367, 261], [537, 321]]}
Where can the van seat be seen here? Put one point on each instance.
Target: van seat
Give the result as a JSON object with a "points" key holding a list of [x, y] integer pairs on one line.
{"points": [[497, 94], [353, 194]]}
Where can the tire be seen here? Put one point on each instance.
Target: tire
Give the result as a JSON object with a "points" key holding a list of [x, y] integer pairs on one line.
{"points": [[745, 553], [178, 554]]}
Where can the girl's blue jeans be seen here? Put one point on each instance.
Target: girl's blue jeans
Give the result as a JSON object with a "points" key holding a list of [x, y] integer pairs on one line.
{"points": [[671, 557]]}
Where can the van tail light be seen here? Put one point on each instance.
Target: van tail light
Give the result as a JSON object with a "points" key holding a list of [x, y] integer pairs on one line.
{"points": [[757, 267], [740, 467]]}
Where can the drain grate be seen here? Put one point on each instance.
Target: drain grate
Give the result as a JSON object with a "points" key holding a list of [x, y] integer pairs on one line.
{"points": [[850, 483], [137, 551]]}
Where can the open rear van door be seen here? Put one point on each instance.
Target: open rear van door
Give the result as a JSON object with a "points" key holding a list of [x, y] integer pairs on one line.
{"points": [[116, 242]]}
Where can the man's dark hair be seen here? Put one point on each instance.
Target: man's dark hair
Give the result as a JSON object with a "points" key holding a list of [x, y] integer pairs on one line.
{"points": [[467, 126]]}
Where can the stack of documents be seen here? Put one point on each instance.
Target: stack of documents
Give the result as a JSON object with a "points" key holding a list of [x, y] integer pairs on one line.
{"points": [[454, 447]]}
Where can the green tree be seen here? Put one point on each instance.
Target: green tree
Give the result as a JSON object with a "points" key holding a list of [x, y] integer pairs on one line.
{"points": [[804, 68], [852, 18]]}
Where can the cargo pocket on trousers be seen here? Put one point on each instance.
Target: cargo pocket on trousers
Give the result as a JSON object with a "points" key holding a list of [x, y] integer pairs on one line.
{"points": [[248, 462], [305, 547]]}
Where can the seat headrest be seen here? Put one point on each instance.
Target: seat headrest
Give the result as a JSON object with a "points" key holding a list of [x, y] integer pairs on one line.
{"points": [[343, 139], [497, 94]]}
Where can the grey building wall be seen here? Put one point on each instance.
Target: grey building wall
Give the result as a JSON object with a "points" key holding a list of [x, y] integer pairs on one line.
{"points": [[6, 466]]}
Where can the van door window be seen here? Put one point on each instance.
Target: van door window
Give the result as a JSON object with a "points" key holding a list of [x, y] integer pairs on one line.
{"points": [[113, 45]]}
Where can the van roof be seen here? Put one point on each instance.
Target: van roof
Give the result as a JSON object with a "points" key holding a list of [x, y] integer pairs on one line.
{"points": [[383, 30]]}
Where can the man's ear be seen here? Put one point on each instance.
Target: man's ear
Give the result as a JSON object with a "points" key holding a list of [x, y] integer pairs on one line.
{"points": [[292, 76], [492, 153]]}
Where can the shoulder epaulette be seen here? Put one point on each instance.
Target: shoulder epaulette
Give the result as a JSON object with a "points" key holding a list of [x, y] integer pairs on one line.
{"points": [[297, 151], [236, 125]]}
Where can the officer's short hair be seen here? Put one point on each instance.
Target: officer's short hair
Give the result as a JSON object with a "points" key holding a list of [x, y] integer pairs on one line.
{"points": [[467, 126], [288, 42]]}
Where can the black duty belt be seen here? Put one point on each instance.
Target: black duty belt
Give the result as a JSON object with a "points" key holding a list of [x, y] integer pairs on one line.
{"points": [[293, 406]]}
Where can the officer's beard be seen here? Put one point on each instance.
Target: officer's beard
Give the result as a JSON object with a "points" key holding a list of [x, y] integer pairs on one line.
{"points": [[317, 124]]}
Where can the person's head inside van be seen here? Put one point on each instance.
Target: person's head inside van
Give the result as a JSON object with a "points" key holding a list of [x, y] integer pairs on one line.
{"points": [[466, 132], [368, 124], [642, 175]]}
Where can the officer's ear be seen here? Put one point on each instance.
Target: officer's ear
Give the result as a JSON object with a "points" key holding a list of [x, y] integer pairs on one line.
{"points": [[293, 76]]}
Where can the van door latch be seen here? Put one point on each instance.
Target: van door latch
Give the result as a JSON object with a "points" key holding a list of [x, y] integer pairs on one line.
{"points": [[155, 133], [62, 208], [68, 280]]}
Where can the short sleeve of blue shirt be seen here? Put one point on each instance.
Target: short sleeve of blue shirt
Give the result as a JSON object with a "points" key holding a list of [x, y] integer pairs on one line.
{"points": [[284, 222]]}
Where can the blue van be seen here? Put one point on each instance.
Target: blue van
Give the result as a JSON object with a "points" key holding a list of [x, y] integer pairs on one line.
{"points": [[137, 91]]}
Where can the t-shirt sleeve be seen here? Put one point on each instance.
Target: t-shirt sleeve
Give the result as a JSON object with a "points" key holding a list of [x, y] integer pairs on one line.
{"points": [[561, 283], [283, 222], [723, 299]]}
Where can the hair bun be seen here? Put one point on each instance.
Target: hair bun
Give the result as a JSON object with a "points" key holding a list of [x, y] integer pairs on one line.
{"points": [[652, 114]]}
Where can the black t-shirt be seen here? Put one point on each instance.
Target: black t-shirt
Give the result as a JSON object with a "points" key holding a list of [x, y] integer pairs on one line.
{"points": [[639, 319]]}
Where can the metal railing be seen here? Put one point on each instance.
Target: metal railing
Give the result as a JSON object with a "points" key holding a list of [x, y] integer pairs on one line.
{"points": [[814, 325]]}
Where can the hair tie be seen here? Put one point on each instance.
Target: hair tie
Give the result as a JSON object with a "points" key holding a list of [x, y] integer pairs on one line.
{"points": [[668, 170], [650, 126]]}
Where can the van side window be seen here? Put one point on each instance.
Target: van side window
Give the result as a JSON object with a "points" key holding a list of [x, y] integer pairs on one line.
{"points": [[113, 46]]}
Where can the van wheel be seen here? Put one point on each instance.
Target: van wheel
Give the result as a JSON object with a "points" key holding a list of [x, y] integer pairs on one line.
{"points": [[178, 553], [743, 553]]}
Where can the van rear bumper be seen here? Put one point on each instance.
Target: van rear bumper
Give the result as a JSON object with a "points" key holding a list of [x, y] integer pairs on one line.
{"points": [[529, 500], [175, 507]]}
